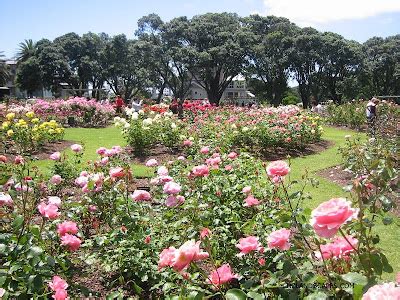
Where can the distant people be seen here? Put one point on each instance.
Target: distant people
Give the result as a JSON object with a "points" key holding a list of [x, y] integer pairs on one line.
{"points": [[119, 104], [371, 113], [180, 108], [174, 106], [316, 107], [137, 104]]}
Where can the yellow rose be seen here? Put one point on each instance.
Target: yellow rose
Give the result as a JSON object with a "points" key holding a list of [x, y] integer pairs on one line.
{"points": [[5, 125], [51, 131], [10, 116], [30, 114], [59, 130], [10, 132], [35, 120]]}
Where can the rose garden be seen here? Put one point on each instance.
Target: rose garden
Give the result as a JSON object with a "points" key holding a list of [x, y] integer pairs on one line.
{"points": [[214, 156], [227, 203]]}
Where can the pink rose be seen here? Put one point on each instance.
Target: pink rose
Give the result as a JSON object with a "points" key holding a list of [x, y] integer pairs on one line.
{"points": [[140, 195], [54, 200], [278, 168], [166, 257], [55, 156], [5, 200], [233, 155], [228, 168], [19, 160], [383, 291], [200, 171], [330, 215], [56, 179], [104, 161], [188, 252], [339, 248], [187, 143], [92, 208], [48, 210], [248, 244], [162, 171], [151, 163], [279, 239], [172, 188], [147, 239], [81, 181], [181, 157], [251, 201], [60, 295], [171, 201], [58, 284], [72, 242], [246, 189], [204, 150], [76, 148], [101, 151], [67, 227], [204, 233], [222, 275], [117, 172]]}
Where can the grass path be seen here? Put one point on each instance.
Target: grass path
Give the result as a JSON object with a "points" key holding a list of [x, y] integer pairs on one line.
{"points": [[390, 239]]}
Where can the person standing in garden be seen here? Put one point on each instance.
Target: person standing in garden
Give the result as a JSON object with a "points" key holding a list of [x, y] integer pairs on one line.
{"points": [[119, 104], [180, 108], [137, 104], [174, 106], [371, 113]]}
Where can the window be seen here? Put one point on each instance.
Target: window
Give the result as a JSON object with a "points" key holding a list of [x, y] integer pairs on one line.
{"points": [[240, 84], [231, 86]]}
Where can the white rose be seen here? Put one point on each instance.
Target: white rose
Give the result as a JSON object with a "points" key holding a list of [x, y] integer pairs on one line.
{"points": [[141, 112], [135, 116]]}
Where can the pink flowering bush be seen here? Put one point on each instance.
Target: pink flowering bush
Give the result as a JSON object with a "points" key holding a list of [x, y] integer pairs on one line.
{"points": [[213, 225], [84, 113]]}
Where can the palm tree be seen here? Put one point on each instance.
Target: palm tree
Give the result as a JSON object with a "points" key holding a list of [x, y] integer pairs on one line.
{"points": [[26, 50], [4, 71]]}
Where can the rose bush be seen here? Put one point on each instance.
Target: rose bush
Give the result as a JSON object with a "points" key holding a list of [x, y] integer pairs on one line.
{"points": [[26, 134]]}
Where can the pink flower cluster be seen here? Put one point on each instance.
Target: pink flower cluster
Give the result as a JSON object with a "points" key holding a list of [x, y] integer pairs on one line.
{"points": [[387, 291], [50, 210], [279, 239], [180, 259], [5, 200], [222, 275], [59, 287], [86, 180], [340, 247]]}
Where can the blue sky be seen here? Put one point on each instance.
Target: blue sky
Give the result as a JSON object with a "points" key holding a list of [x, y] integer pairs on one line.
{"points": [[36, 19]]}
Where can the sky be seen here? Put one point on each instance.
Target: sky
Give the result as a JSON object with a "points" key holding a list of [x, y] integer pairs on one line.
{"points": [[36, 19]]}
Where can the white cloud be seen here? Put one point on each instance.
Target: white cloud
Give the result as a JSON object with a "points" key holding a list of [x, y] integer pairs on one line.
{"points": [[311, 12]]}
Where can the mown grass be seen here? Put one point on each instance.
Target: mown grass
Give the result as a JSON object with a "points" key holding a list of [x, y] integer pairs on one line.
{"points": [[93, 138]]}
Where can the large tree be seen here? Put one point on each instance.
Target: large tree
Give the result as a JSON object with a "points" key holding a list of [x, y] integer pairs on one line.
{"points": [[340, 59], [126, 70], [382, 65], [305, 60], [165, 55], [215, 49], [269, 55], [29, 75]]}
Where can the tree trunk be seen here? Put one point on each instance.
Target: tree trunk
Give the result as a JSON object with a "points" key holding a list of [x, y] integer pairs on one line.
{"points": [[160, 93]]}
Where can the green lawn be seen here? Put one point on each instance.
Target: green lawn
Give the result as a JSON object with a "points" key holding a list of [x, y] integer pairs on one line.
{"points": [[390, 241]]}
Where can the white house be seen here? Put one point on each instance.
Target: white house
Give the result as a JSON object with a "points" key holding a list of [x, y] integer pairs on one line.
{"points": [[236, 92]]}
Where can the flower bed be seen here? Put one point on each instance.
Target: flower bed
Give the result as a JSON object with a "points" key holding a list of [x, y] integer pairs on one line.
{"points": [[25, 134], [217, 224], [225, 127], [78, 112]]}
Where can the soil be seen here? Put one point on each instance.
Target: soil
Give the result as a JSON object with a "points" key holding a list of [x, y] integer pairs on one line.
{"points": [[161, 153], [343, 178], [278, 153], [337, 175], [46, 150]]}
